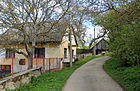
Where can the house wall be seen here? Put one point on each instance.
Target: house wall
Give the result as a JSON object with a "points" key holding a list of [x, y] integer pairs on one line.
{"points": [[64, 44], [53, 51], [102, 45]]}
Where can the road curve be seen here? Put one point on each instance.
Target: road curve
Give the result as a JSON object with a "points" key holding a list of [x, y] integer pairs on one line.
{"points": [[91, 77]]}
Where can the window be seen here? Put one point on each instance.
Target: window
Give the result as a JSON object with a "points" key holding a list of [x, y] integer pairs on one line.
{"points": [[65, 53], [72, 53], [40, 52], [72, 38], [9, 53], [22, 62], [6, 68]]}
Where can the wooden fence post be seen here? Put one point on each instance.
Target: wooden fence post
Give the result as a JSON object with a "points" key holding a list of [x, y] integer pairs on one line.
{"points": [[36, 62], [49, 64], [43, 61], [12, 64], [59, 63]]}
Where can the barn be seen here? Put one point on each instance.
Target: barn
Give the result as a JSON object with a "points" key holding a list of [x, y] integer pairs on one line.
{"points": [[101, 46]]}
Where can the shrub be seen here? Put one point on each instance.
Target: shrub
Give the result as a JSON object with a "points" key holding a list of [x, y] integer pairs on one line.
{"points": [[127, 77]]}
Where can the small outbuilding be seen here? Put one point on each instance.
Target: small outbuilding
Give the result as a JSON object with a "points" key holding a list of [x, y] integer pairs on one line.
{"points": [[101, 46]]}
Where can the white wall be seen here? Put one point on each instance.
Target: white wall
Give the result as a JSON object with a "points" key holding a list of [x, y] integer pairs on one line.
{"points": [[52, 52]]}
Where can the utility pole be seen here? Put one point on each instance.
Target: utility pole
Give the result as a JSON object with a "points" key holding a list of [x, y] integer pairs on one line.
{"points": [[94, 43], [70, 47]]}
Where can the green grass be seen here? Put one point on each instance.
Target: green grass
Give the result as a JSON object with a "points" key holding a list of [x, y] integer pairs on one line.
{"points": [[8, 74], [127, 77], [108, 54], [53, 81]]}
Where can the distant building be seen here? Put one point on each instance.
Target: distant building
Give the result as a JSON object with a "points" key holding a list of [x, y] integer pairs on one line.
{"points": [[101, 46]]}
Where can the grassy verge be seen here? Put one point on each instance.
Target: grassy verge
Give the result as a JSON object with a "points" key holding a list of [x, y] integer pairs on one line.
{"points": [[127, 77], [6, 75], [53, 81]]}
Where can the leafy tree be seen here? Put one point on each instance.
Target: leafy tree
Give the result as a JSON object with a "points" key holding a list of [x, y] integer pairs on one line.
{"points": [[124, 31]]}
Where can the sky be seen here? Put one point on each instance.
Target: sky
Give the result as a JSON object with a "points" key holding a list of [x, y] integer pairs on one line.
{"points": [[90, 32], [90, 29]]}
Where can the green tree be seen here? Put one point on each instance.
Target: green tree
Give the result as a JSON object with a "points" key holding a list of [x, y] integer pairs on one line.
{"points": [[124, 31]]}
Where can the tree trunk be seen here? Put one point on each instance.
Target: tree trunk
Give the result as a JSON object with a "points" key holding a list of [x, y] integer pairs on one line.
{"points": [[70, 48], [30, 62]]}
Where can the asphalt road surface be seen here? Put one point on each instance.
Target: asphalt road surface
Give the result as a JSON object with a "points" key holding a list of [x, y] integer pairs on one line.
{"points": [[91, 77]]}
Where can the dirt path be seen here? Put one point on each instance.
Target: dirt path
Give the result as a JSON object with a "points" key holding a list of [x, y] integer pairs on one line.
{"points": [[91, 77]]}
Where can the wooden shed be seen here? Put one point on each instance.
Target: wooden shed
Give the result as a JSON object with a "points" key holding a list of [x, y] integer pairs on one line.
{"points": [[101, 46]]}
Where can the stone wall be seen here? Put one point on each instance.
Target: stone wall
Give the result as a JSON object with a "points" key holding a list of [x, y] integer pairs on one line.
{"points": [[81, 56], [13, 82]]}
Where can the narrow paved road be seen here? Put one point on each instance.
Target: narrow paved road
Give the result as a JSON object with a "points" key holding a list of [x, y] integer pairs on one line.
{"points": [[91, 77]]}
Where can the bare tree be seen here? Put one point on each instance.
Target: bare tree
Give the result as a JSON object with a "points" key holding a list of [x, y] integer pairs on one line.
{"points": [[76, 19], [101, 35], [25, 21], [81, 35], [94, 9]]}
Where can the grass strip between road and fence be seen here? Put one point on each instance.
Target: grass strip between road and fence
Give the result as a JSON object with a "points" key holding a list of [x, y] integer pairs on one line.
{"points": [[53, 81], [127, 77]]}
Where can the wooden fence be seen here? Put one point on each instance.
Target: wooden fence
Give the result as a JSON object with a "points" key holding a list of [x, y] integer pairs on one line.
{"points": [[48, 64]]}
